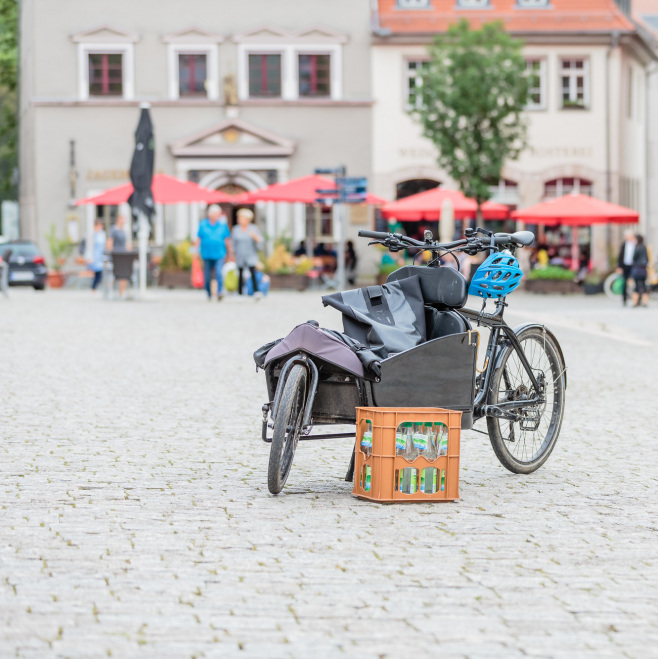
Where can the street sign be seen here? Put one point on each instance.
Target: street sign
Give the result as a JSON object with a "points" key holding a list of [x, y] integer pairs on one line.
{"points": [[353, 189]]}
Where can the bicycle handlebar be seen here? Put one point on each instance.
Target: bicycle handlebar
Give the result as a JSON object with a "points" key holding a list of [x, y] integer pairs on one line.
{"points": [[397, 240]]}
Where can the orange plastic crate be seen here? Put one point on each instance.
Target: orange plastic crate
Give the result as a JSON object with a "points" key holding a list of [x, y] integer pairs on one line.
{"points": [[384, 467]]}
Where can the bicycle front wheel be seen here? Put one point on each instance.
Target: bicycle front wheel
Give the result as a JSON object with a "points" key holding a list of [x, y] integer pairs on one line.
{"points": [[287, 428], [523, 445]]}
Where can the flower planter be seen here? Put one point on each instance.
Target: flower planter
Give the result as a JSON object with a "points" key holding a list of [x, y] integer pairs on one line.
{"points": [[174, 279], [593, 289], [56, 279], [546, 286], [291, 281]]}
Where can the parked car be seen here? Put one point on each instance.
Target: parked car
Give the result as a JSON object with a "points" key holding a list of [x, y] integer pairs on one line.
{"points": [[27, 265]]}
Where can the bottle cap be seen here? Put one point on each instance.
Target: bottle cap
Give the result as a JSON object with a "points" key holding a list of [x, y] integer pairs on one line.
{"points": [[428, 424]]}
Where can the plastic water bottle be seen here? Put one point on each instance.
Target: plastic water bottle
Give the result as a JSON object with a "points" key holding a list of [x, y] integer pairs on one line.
{"points": [[401, 440], [432, 451], [368, 482], [442, 438], [428, 480], [419, 440], [408, 480], [366, 440]]}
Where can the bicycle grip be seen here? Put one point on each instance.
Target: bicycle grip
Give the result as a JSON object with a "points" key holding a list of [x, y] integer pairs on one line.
{"points": [[377, 235]]}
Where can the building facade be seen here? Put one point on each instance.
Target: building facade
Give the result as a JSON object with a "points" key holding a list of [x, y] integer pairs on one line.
{"points": [[587, 113], [241, 94]]}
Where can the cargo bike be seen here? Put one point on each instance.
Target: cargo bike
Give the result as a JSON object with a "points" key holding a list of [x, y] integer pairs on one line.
{"points": [[412, 343]]}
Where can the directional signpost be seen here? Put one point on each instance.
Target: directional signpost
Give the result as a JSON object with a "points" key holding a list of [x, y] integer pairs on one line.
{"points": [[348, 190]]}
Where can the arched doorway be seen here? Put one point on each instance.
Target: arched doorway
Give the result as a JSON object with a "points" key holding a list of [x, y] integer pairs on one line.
{"points": [[414, 186], [233, 183]]}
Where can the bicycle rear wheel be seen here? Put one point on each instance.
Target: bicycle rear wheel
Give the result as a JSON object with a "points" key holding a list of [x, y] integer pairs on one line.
{"points": [[523, 446], [287, 428]]}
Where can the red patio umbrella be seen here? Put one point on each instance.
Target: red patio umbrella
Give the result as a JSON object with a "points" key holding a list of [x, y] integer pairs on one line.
{"points": [[427, 206], [577, 210], [166, 190], [298, 190]]}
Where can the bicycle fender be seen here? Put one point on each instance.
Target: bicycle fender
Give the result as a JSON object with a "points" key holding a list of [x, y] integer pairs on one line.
{"points": [[305, 360], [542, 328]]}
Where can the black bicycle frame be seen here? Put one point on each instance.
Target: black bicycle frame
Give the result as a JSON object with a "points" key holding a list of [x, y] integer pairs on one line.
{"points": [[498, 327]]}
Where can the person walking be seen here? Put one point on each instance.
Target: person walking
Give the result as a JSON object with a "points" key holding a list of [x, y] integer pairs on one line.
{"points": [[246, 238], [639, 272], [118, 242], [625, 261], [97, 253], [214, 241], [351, 263]]}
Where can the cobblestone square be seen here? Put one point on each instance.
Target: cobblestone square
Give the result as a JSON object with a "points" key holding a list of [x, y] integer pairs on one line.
{"points": [[136, 520]]}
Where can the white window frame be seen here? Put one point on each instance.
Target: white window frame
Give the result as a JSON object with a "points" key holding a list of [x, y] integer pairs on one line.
{"points": [[572, 85], [407, 77], [543, 83], [473, 4], [127, 63], [533, 4], [211, 51], [412, 4], [289, 69]]}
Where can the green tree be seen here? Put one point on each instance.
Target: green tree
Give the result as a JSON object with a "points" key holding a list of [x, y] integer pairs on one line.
{"points": [[8, 98], [473, 95]]}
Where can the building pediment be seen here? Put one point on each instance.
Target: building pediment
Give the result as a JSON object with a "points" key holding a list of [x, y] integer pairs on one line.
{"points": [[274, 34], [105, 34], [192, 35], [232, 137]]}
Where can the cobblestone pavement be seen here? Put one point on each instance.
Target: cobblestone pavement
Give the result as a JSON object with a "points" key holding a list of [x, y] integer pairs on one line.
{"points": [[136, 520]]}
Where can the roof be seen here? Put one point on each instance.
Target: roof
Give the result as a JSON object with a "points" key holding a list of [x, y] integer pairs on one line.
{"points": [[562, 16]]}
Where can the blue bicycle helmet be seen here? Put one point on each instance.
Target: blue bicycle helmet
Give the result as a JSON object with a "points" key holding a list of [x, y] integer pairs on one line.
{"points": [[498, 275]]}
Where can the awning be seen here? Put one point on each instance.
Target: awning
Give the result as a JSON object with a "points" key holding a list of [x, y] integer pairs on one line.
{"points": [[577, 210], [302, 190], [166, 190], [427, 206]]}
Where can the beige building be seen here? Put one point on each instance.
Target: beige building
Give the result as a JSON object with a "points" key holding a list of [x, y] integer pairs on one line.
{"points": [[242, 95], [588, 119]]}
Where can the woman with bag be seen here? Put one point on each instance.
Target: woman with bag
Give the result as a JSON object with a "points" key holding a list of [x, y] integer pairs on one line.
{"points": [[639, 273], [246, 237]]}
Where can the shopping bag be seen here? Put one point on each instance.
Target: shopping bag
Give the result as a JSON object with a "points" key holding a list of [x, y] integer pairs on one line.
{"points": [[197, 273]]}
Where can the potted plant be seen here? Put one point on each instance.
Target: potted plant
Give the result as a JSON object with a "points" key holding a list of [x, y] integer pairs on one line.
{"points": [[285, 271], [60, 250], [385, 270], [551, 279], [176, 266], [593, 283]]}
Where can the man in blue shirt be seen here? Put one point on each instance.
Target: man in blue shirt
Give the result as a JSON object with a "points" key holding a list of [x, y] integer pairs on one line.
{"points": [[214, 239]]}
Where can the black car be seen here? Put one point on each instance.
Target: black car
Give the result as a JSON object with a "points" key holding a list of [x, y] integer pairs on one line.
{"points": [[27, 266]]}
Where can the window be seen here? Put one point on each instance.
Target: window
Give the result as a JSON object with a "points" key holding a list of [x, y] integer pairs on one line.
{"points": [[536, 71], [532, 3], [573, 75], [105, 74], [264, 75], [471, 4], [505, 192], [193, 71], [561, 186], [191, 74], [413, 4], [314, 75], [629, 100], [414, 92]]}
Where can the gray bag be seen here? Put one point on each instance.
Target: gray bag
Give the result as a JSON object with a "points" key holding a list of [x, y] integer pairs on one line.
{"points": [[388, 319]]}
